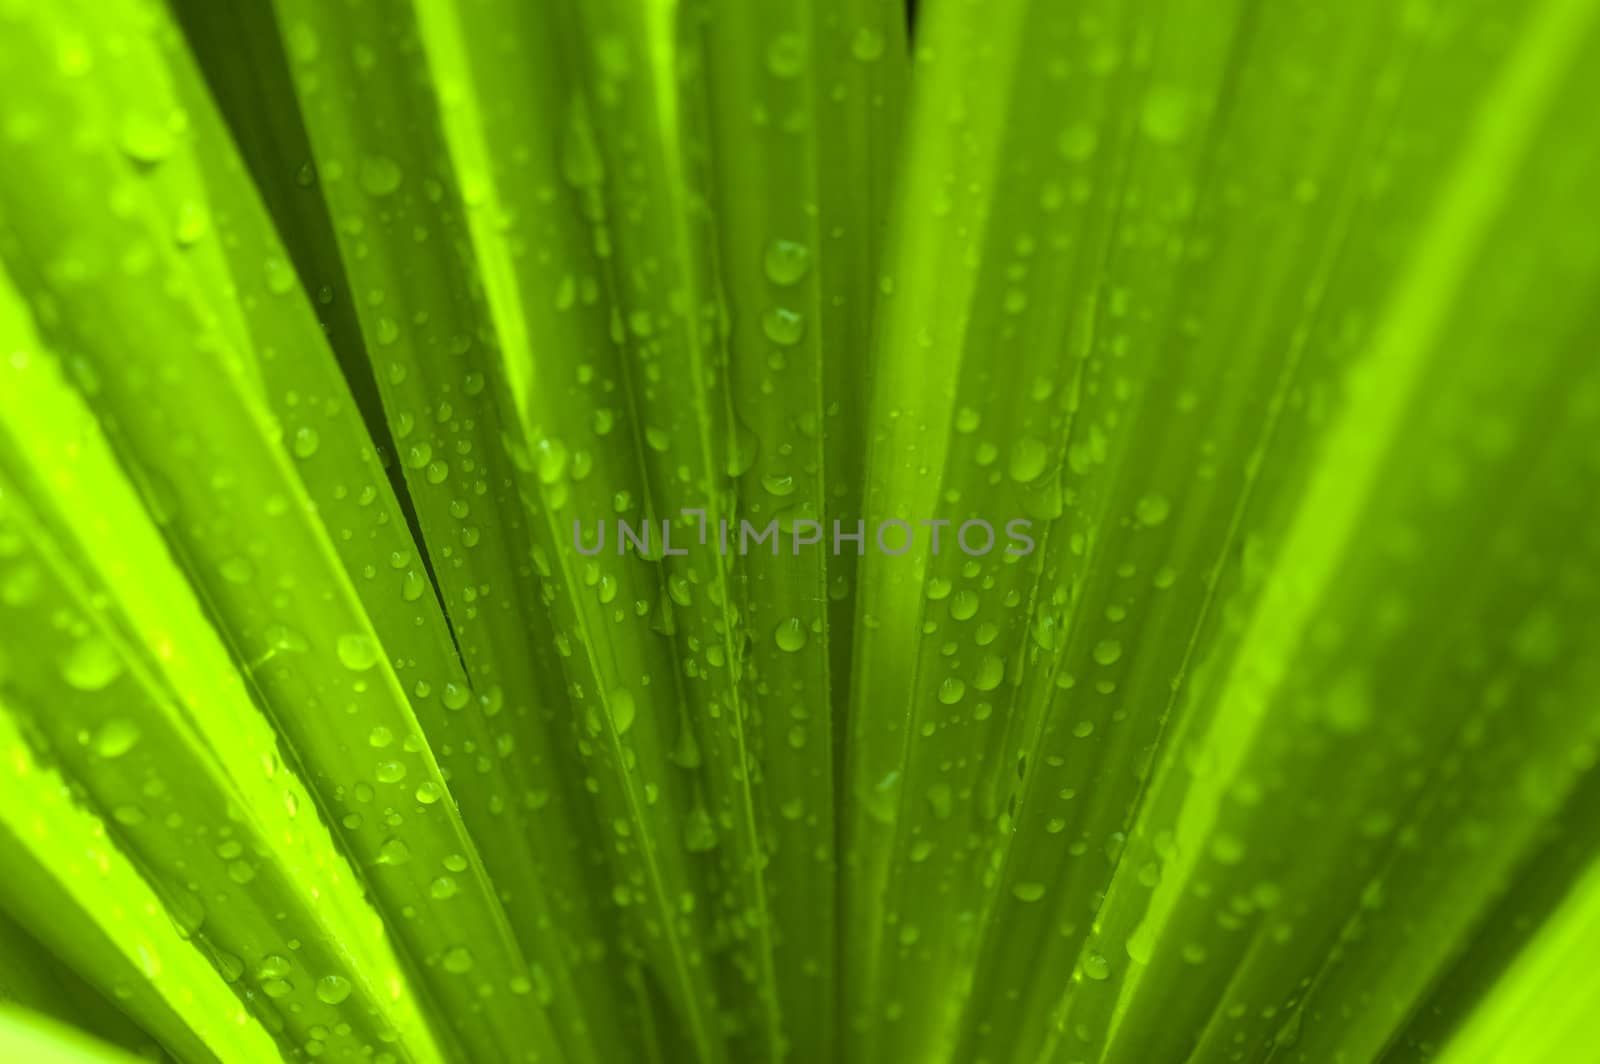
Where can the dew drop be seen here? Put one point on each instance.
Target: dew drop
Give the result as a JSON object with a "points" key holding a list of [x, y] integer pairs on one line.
{"points": [[116, 737], [357, 652], [790, 635], [787, 262], [144, 138], [1028, 458], [332, 989], [380, 175], [394, 852], [1027, 891], [786, 55], [1152, 510], [783, 326], [867, 44], [306, 442], [280, 278], [623, 710], [964, 605], [92, 664], [1107, 652]]}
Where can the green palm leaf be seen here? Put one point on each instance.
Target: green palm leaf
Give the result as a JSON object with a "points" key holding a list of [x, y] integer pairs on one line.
{"points": [[735, 532]]}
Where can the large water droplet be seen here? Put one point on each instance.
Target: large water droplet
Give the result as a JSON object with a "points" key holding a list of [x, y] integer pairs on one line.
{"points": [[787, 262], [623, 709], [782, 326], [380, 175], [1027, 891], [790, 635], [358, 652], [1028, 458], [332, 989], [116, 737], [92, 664]]}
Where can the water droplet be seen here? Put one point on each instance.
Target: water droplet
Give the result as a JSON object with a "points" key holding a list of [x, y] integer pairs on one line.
{"points": [[1027, 891], [1152, 510], [782, 326], [1107, 652], [867, 44], [358, 652], [394, 852], [191, 224], [390, 771], [623, 709], [380, 175], [790, 635], [457, 959], [1078, 142], [129, 815], [280, 279], [116, 737], [306, 441], [552, 461], [332, 989], [990, 672], [92, 664], [273, 966], [144, 138], [786, 55], [1028, 458], [699, 835], [964, 605], [1167, 114], [787, 262]]}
